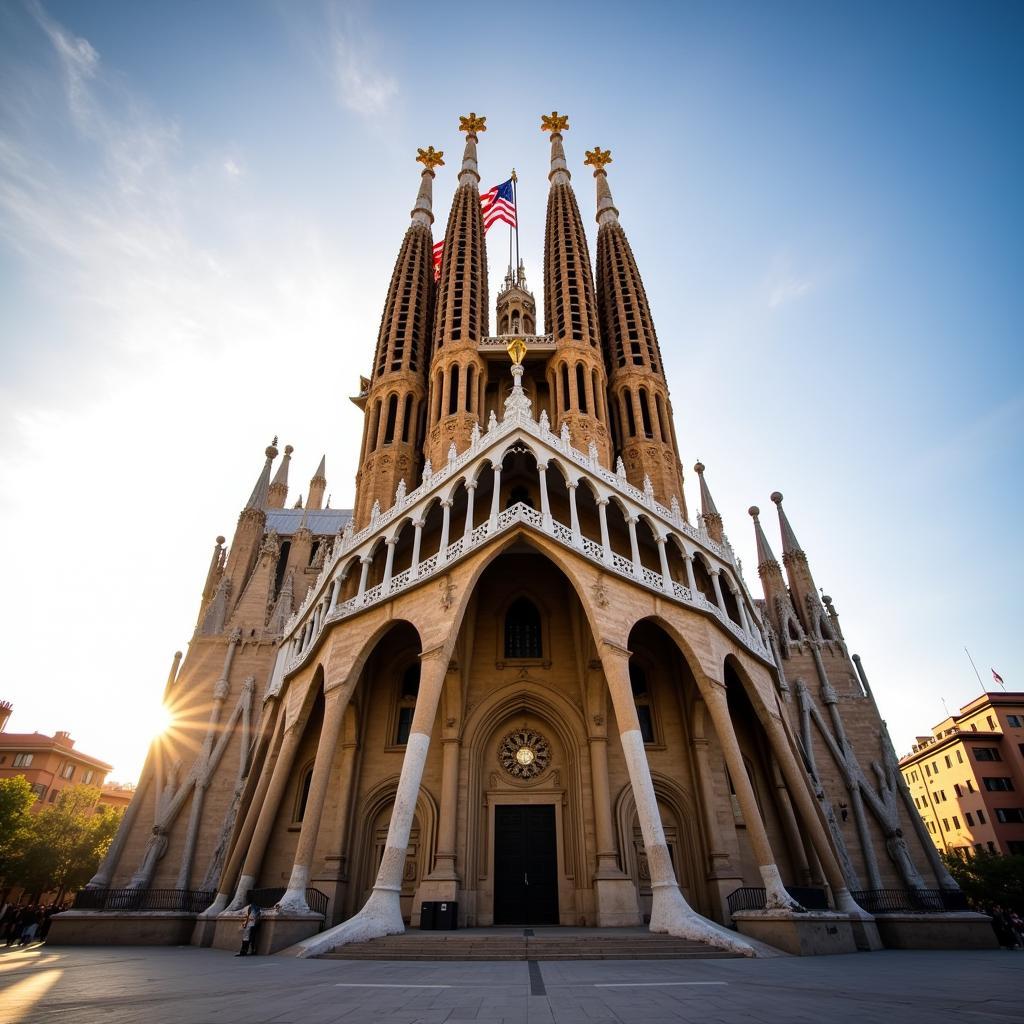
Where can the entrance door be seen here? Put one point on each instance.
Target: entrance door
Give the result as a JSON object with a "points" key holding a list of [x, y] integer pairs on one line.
{"points": [[525, 864]]}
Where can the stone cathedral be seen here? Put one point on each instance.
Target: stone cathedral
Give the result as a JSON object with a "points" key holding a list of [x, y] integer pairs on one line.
{"points": [[523, 674]]}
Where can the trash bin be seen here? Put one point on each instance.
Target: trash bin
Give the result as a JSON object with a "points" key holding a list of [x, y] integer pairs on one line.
{"points": [[428, 916], [446, 916]]}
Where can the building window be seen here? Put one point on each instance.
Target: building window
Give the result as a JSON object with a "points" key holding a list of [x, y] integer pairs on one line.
{"points": [[1015, 848], [53, 795], [407, 703], [998, 784], [991, 723], [67, 771], [522, 630], [22, 760], [917, 803], [949, 763], [956, 823], [88, 777], [987, 754], [642, 699], [979, 847], [945, 824], [1013, 721], [1010, 815], [959, 758], [970, 818], [931, 827], [942, 793], [970, 786], [927, 771], [991, 847], [935, 767], [39, 789], [959, 791], [981, 817]]}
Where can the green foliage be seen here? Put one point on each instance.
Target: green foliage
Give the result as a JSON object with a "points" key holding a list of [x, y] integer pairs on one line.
{"points": [[16, 800], [990, 878], [61, 847]]}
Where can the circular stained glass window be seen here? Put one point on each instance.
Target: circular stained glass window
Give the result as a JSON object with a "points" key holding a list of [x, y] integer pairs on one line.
{"points": [[524, 754]]}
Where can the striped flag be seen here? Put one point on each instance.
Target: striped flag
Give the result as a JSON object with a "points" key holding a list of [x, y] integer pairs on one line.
{"points": [[438, 253], [497, 204], [998, 678]]}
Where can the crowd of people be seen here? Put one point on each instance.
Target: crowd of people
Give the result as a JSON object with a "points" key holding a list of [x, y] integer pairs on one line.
{"points": [[30, 922], [1008, 926]]}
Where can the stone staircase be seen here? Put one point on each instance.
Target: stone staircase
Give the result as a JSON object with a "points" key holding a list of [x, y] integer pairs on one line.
{"points": [[513, 944]]}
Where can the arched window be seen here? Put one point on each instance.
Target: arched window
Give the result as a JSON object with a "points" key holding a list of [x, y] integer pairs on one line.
{"points": [[453, 391], [407, 418], [389, 429], [642, 699], [407, 694], [645, 412], [565, 385], [522, 630], [470, 377], [519, 494], [302, 793], [630, 420], [581, 388]]}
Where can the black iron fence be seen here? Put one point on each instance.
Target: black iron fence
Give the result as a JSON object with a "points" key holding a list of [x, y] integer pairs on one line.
{"points": [[910, 901], [267, 898], [753, 898], [186, 901]]}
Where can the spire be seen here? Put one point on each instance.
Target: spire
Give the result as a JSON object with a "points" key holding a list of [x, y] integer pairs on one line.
{"points": [[258, 498], [422, 211], [790, 545], [556, 123], [317, 485], [279, 487], [472, 126], [642, 424], [766, 560], [708, 510]]}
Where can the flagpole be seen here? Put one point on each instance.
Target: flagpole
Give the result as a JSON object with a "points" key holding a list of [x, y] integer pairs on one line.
{"points": [[511, 266], [515, 206], [975, 667]]}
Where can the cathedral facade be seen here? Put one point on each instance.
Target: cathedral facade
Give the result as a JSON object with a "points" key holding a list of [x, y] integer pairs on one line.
{"points": [[519, 675]]}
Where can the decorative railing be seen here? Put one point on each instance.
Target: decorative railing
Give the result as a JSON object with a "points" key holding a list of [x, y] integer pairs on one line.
{"points": [[911, 901], [300, 634], [266, 899], [754, 898], [185, 901], [501, 341]]}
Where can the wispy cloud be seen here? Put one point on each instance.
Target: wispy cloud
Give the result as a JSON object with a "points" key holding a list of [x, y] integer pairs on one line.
{"points": [[783, 284], [363, 87]]}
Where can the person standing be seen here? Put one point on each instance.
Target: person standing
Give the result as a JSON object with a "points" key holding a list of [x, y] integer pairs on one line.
{"points": [[250, 924]]}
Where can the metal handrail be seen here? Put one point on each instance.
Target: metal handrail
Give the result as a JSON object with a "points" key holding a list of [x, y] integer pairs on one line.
{"points": [[187, 901]]}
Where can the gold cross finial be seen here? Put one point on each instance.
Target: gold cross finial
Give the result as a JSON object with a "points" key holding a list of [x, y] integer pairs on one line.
{"points": [[554, 122], [516, 350], [598, 158], [471, 124], [430, 157]]}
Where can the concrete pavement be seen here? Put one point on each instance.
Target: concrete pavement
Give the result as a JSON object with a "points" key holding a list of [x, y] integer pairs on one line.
{"points": [[185, 985]]}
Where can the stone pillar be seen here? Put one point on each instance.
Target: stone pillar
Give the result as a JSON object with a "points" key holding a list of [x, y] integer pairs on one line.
{"points": [[335, 704], [666, 576], [389, 561], [417, 538], [268, 812], [606, 544], [470, 495], [691, 580], [446, 522], [545, 507], [615, 893], [634, 547], [495, 496], [574, 517], [716, 583], [776, 897], [364, 561], [382, 912], [669, 910]]}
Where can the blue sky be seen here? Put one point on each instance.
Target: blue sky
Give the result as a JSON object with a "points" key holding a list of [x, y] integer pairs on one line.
{"points": [[200, 205]]}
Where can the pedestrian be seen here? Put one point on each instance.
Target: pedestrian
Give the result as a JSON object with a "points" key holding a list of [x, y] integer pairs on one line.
{"points": [[30, 925], [250, 925]]}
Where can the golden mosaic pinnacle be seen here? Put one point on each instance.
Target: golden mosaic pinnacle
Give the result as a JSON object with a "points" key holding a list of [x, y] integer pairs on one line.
{"points": [[471, 124], [554, 122], [598, 158], [430, 157], [516, 349]]}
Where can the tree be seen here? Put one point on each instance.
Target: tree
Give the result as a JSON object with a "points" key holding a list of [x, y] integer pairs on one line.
{"points": [[990, 878], [63, 845], [16, 800]]}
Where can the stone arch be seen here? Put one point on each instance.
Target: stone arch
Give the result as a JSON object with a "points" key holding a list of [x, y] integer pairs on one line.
{"points": [[375, 815]]}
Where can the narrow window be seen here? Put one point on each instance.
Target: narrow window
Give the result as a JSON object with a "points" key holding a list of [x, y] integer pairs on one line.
{"points": [[408, 692], [522, 630], [630, 419], [453, 391], [407, 418], [303, 794], [581, 387], [565, 386], [642, 700], [470, 404], [645, 412]]}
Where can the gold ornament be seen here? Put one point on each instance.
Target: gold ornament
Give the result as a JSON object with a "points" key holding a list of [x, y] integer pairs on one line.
{"points": [[598, 158], [516, 349], [554, 122], [471, 124], [430, 157]]}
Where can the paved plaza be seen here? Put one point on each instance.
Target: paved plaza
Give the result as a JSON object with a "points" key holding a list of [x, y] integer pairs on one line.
{"points": [[125, 985]]}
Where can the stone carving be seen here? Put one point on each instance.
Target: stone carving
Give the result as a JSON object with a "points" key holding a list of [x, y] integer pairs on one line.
{"points": [[447, 589], [524, 753], [599, 592]]}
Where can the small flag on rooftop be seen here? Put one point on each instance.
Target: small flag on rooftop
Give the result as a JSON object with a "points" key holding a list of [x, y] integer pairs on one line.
{"points": [[998, 678]]}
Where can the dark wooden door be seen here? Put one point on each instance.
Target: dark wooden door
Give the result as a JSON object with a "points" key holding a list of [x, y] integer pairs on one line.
{"points": [[525, 864]]}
